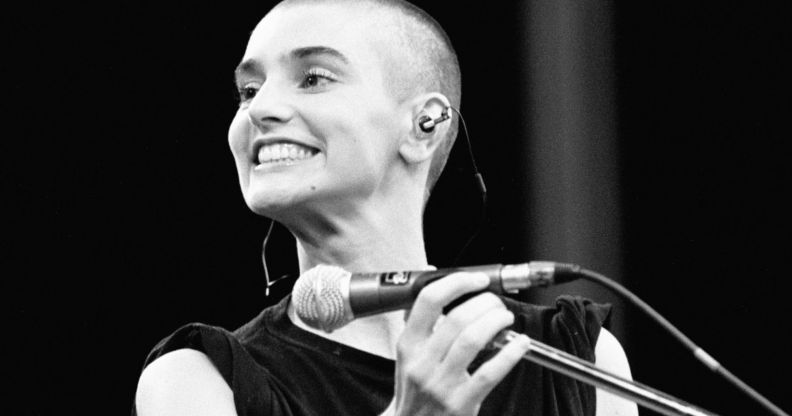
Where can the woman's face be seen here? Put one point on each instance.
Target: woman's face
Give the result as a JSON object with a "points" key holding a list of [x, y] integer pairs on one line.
{"points": [[316, 127]]}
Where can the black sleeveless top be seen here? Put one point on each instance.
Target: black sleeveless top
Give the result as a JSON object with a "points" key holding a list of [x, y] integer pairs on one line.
{"points": [[277, 369]]}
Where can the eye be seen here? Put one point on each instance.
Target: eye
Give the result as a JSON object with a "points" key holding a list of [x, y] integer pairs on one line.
{"points": [[247, 92], [314, 78]]}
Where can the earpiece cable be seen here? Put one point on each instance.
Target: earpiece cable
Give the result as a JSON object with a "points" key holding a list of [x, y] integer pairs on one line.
{"points": [[264, 260], [479, 184]]}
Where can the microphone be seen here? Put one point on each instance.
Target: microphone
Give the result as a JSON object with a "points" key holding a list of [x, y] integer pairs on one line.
{"points": [[329, 297]]}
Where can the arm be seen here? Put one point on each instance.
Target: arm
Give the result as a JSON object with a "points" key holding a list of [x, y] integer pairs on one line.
{"points": [[610, 356], [183, 382]]}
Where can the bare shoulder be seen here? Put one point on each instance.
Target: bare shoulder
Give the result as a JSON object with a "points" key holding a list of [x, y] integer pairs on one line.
{"points": [[183, 382], [610, 356]]}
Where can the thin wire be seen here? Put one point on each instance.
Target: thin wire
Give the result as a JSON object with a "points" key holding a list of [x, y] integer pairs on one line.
{"points": [[480, 185], [697, 351], [264, 260], [467, 138]]}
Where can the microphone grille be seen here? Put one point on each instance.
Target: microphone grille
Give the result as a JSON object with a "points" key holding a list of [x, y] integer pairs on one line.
{"points": [[318, 297]]}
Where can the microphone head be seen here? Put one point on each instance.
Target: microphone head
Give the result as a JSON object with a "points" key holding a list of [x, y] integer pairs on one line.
{"points": [[320, 297]]}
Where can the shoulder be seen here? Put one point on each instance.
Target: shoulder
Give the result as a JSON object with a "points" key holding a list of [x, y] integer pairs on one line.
{"points": [[575, 324], [183, 382], [610, 356], [572, 323]]}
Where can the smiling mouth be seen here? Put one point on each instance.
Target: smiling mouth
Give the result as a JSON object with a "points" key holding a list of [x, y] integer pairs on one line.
{"points": [[283, 154]]}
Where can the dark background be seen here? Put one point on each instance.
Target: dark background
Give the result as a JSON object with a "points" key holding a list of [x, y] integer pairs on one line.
{"points": [[124, 218]]}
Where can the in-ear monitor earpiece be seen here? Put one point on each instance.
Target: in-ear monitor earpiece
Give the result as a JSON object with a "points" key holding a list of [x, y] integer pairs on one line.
{"points": [[427, 124]]}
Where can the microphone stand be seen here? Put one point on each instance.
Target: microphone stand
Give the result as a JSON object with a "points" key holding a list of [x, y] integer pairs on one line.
{"points": [[586, 372]]}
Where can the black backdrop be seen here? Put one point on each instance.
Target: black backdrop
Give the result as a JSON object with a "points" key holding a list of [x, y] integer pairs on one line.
{"points": [[124, 219]]}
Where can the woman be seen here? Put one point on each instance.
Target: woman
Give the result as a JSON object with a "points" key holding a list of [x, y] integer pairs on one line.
{"points": [[328, 141]]}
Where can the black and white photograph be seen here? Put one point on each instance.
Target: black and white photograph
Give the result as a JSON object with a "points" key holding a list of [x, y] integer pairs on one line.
{"points": [[392, 207]]}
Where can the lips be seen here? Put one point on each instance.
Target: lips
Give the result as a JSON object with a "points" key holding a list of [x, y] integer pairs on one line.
{"points": [[283, 152]]}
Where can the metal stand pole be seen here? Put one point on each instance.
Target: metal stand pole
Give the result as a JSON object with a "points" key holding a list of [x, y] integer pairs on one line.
{"points": [[586, 372]]}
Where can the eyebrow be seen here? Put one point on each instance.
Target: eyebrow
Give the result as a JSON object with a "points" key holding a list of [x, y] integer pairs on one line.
{"points": [[253, 66], [309, 51], [247, 66]]}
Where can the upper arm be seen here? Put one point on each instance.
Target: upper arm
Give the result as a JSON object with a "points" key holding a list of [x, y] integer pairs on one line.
{"points": [[610, 357], [183, 382]]}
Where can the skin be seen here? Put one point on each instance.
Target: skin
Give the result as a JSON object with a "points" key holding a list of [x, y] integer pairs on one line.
{"points": [[357, 203]]}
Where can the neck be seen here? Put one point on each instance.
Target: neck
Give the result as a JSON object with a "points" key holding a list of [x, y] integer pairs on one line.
{"points": [[382, 233], [370, 247], [365, 243]]}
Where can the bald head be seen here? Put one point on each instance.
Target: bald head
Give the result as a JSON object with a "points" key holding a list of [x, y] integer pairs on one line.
{"points": [[417, 56]]}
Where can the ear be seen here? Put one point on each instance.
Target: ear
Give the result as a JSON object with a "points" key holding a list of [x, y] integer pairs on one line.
{"points": [[419, 146]]}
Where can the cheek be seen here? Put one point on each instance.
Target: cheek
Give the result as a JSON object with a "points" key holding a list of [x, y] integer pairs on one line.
{"points": [[238, 134], [364, 124], [381, 134], [238, 139]]}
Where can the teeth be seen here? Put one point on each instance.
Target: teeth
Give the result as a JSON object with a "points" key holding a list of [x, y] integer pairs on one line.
{"points": [[284, 152]]}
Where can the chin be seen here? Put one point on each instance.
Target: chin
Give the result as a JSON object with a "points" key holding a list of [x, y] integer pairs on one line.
{"points": [[307, 203], [272, 204]]}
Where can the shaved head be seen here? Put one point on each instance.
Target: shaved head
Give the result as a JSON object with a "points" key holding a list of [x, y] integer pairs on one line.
{"points": [[417, 55]]}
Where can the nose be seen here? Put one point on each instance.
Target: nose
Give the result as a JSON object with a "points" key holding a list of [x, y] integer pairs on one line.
{"points": [[269, 108]]}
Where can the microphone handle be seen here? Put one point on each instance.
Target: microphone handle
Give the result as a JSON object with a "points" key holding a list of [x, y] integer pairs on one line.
{"points": [[373, 293]]}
